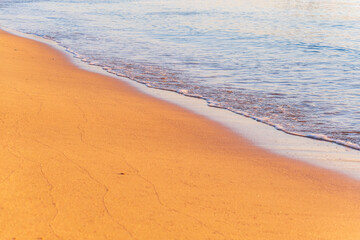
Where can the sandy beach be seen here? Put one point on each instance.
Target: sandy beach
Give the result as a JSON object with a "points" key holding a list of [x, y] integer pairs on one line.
{"points": [[85, 156]]}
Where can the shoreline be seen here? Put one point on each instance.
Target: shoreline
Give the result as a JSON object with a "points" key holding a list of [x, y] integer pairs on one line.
{"points": [[325, 154], [86, 156]]}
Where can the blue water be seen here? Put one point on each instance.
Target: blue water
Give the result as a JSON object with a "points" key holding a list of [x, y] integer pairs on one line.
{"points": [[294, 64]]}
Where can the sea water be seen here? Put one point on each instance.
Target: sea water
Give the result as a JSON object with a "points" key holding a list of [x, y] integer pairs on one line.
{"points": [[292, 64]]}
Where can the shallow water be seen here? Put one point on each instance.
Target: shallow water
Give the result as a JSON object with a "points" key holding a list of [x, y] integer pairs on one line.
{"points": [[292, 64]]}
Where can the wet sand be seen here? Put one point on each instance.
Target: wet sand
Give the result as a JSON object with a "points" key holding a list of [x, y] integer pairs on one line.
{"points": [[85, 156]]}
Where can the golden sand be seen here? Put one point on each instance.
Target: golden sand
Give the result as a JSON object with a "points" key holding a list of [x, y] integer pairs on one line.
{"points": [[84, 156]]}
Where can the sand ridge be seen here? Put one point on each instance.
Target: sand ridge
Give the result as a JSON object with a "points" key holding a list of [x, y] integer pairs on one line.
{"points": [[84, 156]]}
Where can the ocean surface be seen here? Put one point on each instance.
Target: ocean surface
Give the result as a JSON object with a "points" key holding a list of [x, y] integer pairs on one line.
{"points": [[293, 64]]}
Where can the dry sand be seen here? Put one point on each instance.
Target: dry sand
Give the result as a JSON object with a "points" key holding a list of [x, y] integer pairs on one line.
{"points": [[84, 156]]}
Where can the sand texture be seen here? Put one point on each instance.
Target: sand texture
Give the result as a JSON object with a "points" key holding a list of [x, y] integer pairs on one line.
{"points": [[84, 156]]}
